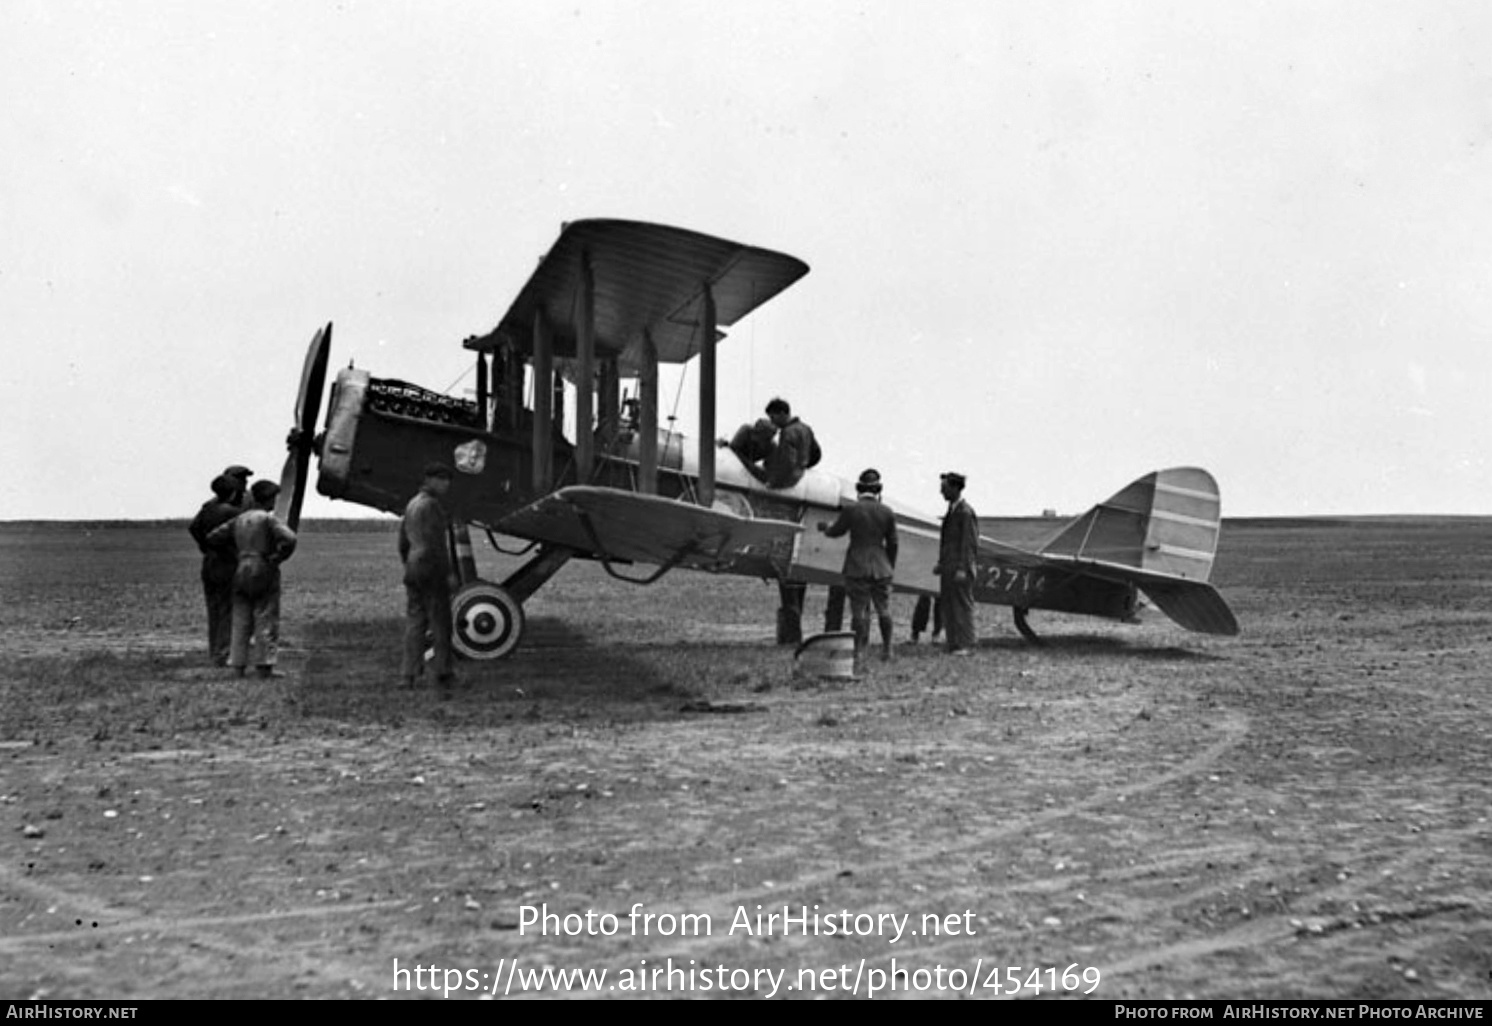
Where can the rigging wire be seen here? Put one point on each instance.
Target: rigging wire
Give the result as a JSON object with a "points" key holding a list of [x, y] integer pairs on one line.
{"points": [[471, 367], [679, 392]]}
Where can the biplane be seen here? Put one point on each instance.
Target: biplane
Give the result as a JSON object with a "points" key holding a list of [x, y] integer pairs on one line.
{"points": [[609, 303]]}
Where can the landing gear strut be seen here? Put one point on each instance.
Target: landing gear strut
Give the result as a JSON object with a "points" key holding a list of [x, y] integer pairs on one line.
{"points": [[487, 619]]}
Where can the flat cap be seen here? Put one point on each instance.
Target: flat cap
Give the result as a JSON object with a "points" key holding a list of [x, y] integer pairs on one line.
{"points": [[238, 471], [954, 478], [439, 470]]}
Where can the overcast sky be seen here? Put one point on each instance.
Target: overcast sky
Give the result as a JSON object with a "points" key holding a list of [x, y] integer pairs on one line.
{"points": [[1053, 245]]}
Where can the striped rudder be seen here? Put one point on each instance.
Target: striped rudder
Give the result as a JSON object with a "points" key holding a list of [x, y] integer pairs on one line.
{"points": [[1166, 522]]}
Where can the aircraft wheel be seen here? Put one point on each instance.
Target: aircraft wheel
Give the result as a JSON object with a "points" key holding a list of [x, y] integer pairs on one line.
{"points": [[487, 622]]}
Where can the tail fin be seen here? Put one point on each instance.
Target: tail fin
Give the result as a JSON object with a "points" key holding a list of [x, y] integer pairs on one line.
{"points": [[1160, 534], [1165, 523]]}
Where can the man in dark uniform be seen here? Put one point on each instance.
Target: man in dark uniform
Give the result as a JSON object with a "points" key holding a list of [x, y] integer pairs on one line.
{"points": [[425, 550], [869, 562], [217, 566], [958, 550]]}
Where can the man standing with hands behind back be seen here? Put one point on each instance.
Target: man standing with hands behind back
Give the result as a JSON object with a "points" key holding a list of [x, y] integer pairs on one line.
{"points": [[425, 550], [958, 549]]}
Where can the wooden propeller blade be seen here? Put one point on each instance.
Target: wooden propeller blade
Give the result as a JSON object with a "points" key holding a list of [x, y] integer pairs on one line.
{"points": [[292, 489], [307, 409], [313, 381]]}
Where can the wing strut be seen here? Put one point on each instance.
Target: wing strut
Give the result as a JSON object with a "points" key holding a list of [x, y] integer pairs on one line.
{"points": [[707, 399], [647, 395], [543, 439], [585, 371]]}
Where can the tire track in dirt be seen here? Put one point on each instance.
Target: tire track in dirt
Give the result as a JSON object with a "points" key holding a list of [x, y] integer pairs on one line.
{"points": [[1233, 727], [1296, 926], [127, 922], [235, 937], [107, 919]]}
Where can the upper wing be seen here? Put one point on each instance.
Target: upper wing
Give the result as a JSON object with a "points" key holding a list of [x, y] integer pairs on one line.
{"points": [[638, 528], [647, 276]]}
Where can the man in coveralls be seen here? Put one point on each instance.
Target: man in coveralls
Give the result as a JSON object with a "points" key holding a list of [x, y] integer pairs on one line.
{"points": [[425, 550], [262, 544]]}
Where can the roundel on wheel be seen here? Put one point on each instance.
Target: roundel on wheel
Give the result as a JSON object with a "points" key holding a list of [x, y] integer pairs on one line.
{"points": [[486, 621]]}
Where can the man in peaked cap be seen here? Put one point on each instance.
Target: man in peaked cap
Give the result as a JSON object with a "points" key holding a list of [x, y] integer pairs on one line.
{"points": [[870, 561], [425, 551], [958, 550]]}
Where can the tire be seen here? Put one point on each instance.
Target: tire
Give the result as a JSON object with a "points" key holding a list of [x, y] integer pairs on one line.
{"points": [[486, 621]]}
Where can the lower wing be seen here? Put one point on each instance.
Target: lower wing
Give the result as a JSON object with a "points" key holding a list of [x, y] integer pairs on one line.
{"points": [[630, 527]]}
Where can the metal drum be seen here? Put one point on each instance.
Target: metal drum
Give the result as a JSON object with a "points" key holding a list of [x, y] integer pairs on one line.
{"points": [[828, 656]]}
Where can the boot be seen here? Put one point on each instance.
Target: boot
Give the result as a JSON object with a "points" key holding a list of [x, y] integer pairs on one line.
{"points": [[789, 626], [921, 613], [834, 610]]}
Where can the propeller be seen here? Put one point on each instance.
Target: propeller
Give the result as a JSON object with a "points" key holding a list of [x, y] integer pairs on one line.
{"points": [[303, 435]]}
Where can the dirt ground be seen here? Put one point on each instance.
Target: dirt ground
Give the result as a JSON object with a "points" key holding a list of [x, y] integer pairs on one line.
{"points": [[1301, 811]]}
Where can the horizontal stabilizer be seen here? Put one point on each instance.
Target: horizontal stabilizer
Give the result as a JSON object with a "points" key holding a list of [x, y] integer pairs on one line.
{"points": [[1194, 605]]}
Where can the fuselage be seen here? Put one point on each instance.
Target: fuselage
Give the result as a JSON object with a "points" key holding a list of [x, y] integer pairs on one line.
{"points": [[380, 434]]}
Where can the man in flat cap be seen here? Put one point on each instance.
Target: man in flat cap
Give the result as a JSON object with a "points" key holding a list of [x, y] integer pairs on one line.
{"points": [[425, 550], [262, 543], [240, 476], [218, 565], [958, 549], [870, 561]]}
